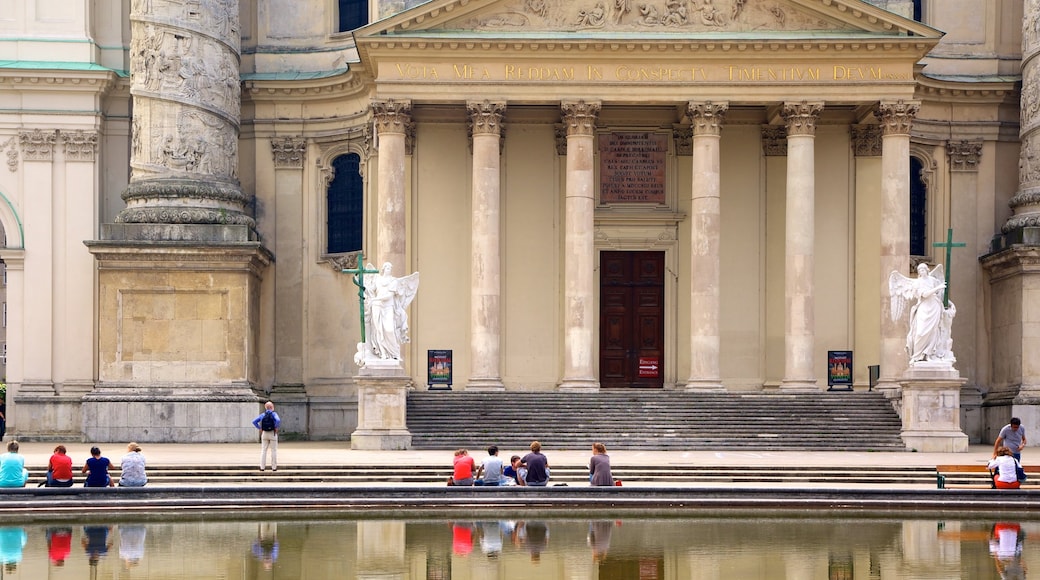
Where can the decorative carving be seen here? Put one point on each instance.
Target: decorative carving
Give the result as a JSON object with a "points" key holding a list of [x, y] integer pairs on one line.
{"points": [[38, 145], [633, 15], [580, 117], [774, 141], [12, 154], [801, 117], [289, 152], [80, 145], [198, 142], [866, 140], [560, 138], [707, 117], [392, 116], [1030, 28], [356, 140], [683, 136], [964, 155], [897, 118], [340, 262], [485, 118]]}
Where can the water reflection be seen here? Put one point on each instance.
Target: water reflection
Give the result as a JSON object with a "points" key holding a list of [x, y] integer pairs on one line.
{"points": [[706, 548]]}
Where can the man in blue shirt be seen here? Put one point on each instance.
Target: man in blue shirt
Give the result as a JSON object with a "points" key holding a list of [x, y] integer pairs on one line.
{"points": [[268, 423]]}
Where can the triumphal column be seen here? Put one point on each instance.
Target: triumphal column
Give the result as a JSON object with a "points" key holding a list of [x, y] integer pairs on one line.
{"points": [[179, 271]]}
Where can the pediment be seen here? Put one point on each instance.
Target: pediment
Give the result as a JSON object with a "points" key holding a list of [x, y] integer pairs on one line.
{"points": [[646, 18]]}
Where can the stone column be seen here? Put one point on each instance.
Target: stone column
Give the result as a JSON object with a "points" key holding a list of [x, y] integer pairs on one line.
{"points": [[799, 255], [896, 119], [579, 251], [705, 232], [486, 254], [184, 80], [392, 121]]}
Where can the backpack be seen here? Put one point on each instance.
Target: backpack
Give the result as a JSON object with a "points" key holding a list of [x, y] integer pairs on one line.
{"points": [[267, 422]]}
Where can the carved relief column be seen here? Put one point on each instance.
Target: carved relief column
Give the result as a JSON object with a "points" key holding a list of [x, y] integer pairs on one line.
{"points": [[37, 149], [896, 119], [486, 255], [392, 121], [799, 255], [184, 73], [579, 252], [705, 232]]}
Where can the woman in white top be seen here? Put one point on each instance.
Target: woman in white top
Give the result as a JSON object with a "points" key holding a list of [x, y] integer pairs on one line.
{"points": [[132, 468], [1007, 469]]}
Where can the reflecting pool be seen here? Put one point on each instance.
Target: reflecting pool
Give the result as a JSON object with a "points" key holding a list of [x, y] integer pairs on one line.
{"points": [[544, 549]]}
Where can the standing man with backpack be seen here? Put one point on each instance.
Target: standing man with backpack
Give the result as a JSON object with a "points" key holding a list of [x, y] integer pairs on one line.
{"points": [[268, 423]]}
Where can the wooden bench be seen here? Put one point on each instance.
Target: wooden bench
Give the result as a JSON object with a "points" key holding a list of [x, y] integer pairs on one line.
{"points": [[978, 476]]}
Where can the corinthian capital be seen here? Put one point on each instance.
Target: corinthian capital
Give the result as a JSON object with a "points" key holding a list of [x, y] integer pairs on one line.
{"points": [[801, 117], [486, 117], [964, 155], [897, 117], [707, 117], [80, 145], [580, 117], [392, 116], [38, 145], [288, 151]]}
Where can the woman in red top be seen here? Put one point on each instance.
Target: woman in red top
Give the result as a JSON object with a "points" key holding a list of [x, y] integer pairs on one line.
{"points": [[59, 469], [464, 466]]}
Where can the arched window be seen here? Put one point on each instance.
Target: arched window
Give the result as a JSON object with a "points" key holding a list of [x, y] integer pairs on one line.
{"points": [[918, 209], [352, 14], [345, 205]]}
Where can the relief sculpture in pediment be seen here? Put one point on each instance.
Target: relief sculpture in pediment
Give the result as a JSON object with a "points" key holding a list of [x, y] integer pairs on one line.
{"points": [[644, 15]]}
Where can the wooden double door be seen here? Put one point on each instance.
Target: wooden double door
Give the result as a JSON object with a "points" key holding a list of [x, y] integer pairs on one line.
{"points": [[631, 319]]}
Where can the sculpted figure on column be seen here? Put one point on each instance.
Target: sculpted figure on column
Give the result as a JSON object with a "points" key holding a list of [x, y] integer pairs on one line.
{"points": [[928, 338], [386, 317]]}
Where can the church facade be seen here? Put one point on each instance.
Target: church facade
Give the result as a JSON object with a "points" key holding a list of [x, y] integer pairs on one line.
{"points": [[669, 194]]}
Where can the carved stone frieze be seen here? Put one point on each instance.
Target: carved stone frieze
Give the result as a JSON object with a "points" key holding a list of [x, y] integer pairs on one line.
{"points": [[12, 153], [707, 117], [683, 137], [216, 18], [774, 141], [80, 145], [644, 15], [392, 116], [964, 155], [340, 262], [580, 117], [1030, 28], [897, 117], [37, 145], [801, 117], [289, 152], [866, 140]]}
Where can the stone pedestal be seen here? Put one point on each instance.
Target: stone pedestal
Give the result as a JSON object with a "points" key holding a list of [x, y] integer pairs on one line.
{"points": [[382, 397], [178, 329], [932, 409]]}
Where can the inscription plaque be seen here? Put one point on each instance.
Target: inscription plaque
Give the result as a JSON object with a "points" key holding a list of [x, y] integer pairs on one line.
{"points": [[632, 167]]}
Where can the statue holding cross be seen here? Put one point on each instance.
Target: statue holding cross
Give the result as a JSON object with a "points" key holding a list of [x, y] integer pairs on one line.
{"points": [[931, 316], [383, 301]]}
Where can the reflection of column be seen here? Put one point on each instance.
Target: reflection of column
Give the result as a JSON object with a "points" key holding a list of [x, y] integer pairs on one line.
{"points": [[799, 262], [896, 119], [485, 282], [579, 251], [705, 232], [184, 72], [392, 120], [380, 550]]}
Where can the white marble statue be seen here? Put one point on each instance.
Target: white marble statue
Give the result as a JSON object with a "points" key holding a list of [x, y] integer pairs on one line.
{"points": [[929, 337], [386, 316]]}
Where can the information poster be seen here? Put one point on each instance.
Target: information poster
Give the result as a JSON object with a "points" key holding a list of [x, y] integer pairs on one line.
{"points": [[839, 370], [438, 369]]}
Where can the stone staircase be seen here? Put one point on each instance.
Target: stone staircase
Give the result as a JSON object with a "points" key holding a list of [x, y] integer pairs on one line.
{"points": [[655, 420]]}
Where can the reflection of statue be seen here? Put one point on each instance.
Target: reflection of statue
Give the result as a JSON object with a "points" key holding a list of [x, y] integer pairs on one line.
{"points": [[386, 319], [929, 336]]}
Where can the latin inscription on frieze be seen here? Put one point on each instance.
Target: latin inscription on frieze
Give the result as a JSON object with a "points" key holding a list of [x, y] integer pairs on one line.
{"points": [[632, 167]]}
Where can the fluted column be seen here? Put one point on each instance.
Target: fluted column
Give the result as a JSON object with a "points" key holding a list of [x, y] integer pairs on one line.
{"points": [[580, 253], [184, 82], [705, 232], [392, 121], [896, 119], [799, 254], [486, 256]]}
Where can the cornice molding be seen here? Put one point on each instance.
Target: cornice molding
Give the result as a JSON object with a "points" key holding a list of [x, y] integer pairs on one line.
{"points": [[929, 89], [58, 80]]}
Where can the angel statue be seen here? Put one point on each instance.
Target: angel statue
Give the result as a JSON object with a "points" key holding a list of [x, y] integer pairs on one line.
{"points": [[386, 300], [929, 337]]}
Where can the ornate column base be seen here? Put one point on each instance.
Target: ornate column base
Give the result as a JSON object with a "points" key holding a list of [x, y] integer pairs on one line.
{"points": [[382, 414], [932, 409]]}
